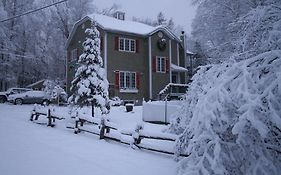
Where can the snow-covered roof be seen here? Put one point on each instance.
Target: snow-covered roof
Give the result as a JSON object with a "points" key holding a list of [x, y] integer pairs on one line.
{"points": [[112, 24], [178, 68]]}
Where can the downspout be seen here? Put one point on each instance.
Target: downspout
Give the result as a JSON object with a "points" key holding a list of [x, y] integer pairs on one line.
{"points": [[105, 53], [170, 60], [150, 68]]}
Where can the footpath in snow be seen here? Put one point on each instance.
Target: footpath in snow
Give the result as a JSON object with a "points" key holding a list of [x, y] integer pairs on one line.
{"points": [[28, 148]]}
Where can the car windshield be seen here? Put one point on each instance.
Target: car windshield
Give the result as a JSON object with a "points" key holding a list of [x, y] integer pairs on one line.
{"points": [[9, 90]]}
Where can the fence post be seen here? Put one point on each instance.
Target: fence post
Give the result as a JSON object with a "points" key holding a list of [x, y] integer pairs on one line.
{"points": [[136, 134], [49, 117], [76, 129], [102, 128], [33, 112], [53, 111]]}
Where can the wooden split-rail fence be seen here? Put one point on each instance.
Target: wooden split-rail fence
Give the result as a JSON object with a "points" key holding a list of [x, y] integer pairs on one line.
{"points": [[105, 129]]}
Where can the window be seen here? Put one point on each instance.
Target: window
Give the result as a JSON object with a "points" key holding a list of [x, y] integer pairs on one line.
{"points": [[161, 64], [128, 45], [74, 55], [128, 80]]}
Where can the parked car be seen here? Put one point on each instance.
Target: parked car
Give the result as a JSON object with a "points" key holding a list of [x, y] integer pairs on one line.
{"points": [[4, 95], [29, 97]]}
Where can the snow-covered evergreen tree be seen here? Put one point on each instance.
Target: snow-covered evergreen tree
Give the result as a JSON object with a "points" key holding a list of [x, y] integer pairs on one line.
{"points": [[90, 86]]}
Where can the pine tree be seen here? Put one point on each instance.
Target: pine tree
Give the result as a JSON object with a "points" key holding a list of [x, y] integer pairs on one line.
{"points": [[90, 86], [161, 20]]}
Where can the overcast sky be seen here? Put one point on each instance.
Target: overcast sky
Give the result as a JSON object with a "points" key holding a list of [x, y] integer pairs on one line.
{"points": [[182, 11]]}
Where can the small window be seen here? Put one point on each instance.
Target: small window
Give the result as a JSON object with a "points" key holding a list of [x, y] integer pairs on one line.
{"points": [[74, 55], [161, 64], [127, 45]]}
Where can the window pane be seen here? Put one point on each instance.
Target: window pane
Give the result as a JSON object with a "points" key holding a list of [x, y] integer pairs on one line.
{"points": [[158, 64], [163, 64], [122, 81], [133, 78], [121, 44], [132, 45], [127, 45], [127, 80]]}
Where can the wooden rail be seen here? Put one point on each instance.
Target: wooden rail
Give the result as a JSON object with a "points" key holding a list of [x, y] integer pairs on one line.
{"points": [[51, 117], [103, 130]]}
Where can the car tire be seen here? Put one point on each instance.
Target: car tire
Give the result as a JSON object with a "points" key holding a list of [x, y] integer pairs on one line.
{"points": [[18, 101], [3, 99], [46, 102]]}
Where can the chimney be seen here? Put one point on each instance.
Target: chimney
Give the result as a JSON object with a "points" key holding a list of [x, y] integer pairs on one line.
{"points": [[182, 37], [119, 15]]}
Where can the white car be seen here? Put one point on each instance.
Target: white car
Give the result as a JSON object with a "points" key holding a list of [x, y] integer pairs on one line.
{"points": [[4, 95], [29, 97]]}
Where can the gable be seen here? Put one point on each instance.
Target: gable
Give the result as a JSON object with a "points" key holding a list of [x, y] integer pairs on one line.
{"points": [[120, 26]]}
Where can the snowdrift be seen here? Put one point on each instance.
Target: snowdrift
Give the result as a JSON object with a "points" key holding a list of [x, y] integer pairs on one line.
{"points": [[230, 120]]}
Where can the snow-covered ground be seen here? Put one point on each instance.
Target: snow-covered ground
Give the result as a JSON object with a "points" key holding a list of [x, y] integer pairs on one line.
{"points": [[29, 148]]}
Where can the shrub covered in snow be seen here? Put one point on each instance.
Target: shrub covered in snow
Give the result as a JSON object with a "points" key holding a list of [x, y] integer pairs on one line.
{"points": [[90, 86], [230, 121], [115, 101]]}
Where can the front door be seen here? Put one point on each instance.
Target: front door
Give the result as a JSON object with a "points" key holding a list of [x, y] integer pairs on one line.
{"points": [[175, 77]]}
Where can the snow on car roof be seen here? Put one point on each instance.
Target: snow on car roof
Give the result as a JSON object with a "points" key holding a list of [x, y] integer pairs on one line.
{"points": [[31, 93]]}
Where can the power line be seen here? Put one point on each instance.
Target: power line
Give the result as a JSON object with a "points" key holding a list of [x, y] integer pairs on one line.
{"points": [[32, 11]]}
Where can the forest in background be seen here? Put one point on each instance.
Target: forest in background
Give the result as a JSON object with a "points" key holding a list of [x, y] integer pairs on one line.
{"points": [[32, 47]]}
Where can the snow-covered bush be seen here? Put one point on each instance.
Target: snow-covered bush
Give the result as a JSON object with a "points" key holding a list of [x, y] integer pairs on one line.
{"points": [[59, 94], [230, 122], [49, 87], [115, 101], [52, 90]]}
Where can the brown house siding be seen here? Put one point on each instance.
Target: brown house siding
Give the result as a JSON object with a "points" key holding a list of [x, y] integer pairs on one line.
{"points": [[127, 61], [159, 80]]}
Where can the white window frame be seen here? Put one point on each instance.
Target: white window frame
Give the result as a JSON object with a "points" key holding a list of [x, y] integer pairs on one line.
{"points": [[132, 86], [129, 47], [73, 55], [159, 61]]}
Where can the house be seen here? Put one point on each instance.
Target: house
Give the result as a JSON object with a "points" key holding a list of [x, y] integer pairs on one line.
{"points": [[140, 60]]}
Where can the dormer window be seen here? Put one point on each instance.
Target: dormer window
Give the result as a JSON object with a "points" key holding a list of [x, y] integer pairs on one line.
{"points": [[119, 15]]}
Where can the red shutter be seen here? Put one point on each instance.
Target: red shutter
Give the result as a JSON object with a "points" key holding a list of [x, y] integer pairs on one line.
{"points": [[68, 56], [138, 80], [117, 80], [154, 61], [167, 65], [137, 46], [101, 43], [116, 43], [77, 54]]}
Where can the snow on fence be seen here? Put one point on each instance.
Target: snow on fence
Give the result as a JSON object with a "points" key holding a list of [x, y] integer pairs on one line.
{"points": [[49, 113], [105, 129], [159, 111]]}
